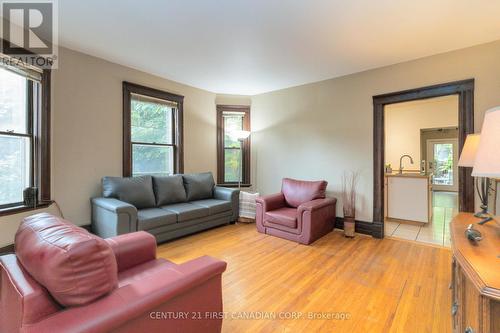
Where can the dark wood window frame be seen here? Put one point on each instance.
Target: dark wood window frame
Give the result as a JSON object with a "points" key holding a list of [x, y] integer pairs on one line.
{"points": [[245, 147], [40, 133], [132, 88], [465, 91]]}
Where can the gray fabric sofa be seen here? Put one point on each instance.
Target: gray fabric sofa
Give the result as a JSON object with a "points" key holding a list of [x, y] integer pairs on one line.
{"points": [[167, 207]]}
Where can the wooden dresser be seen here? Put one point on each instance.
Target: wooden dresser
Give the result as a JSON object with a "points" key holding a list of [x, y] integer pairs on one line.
{"points": [[475, 277]]}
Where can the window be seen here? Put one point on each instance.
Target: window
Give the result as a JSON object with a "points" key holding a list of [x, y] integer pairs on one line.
{"points": [[152, 131], [24, 135], [233, 156]]}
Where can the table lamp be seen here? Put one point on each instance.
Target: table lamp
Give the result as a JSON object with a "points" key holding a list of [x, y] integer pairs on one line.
{"points": [[487, 161], [467, 159]]}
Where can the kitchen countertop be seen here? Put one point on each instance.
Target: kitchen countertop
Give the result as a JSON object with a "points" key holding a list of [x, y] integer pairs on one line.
{"points": [[408, 174]]}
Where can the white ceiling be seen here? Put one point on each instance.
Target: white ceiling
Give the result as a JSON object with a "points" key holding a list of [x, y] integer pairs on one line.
{"points": [[254, 46]]}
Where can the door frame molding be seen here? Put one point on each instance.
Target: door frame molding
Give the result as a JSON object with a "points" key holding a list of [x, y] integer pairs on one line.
{"points": [[465, 91]]}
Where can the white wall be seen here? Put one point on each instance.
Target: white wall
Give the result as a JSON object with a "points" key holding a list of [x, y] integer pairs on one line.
{"points": [[403, 122], [320, 130]]}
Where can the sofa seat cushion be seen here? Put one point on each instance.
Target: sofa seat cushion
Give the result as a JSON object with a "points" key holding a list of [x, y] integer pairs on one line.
{"points": [[151, 218], [214, 205], [186, 211], [225, 217], [199, 185], [75, 266], [283, 216], [169, 190], [137, 191]]}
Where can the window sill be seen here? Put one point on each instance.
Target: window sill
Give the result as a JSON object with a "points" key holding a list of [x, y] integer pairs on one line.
{"points": [[231, 185], [22, 208]]}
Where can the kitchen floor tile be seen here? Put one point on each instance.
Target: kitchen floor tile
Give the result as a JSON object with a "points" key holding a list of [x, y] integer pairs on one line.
{"points": [[390, 227], [431, 238], [408, 227], [405, 234], [445, 207]]}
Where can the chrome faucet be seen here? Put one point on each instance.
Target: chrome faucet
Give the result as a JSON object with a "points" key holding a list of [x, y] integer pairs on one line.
{"points": [[401, 163]]}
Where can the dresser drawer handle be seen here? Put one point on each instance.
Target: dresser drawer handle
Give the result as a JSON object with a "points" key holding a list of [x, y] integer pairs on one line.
{"points": [[469, 330], [454, 309]]}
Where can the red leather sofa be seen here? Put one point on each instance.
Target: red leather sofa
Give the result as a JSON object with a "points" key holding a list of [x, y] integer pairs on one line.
{"points": [[300, 212], [64, 279]]}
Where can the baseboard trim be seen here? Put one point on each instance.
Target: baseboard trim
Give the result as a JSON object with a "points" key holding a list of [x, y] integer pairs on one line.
{"points": [[362, 227], [7, 249]]}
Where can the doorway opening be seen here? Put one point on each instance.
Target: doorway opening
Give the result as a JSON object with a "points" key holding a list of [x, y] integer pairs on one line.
{"points": [[425, 168], [442, 159]]}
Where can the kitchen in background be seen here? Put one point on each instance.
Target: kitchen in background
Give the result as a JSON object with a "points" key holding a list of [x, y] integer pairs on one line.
{"points": [[421, 183]]}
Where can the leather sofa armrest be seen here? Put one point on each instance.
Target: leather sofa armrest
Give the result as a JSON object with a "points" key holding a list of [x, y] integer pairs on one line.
{"points": [[114, 205], [229, 194], [316, 204], [136, 300], [133, 249], [271, 201], [203, 266], [225, 193], [112, 217], [24, 300]]}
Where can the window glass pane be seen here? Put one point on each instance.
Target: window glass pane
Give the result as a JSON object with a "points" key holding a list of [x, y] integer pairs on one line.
{"points": [[231, 124], [443, 159], [14, 168], [151, 122], [152, 160], [231, 165], [12, 102]]}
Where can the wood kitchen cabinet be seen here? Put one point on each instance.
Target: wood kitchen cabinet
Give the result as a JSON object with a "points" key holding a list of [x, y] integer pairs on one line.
{"points": [[475, 277]]}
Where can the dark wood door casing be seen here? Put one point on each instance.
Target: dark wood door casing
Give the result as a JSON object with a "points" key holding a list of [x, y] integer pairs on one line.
{"points": [[465, 91]]}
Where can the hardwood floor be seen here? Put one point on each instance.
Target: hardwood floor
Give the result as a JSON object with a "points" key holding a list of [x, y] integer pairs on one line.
{"points": [[383, 285]]}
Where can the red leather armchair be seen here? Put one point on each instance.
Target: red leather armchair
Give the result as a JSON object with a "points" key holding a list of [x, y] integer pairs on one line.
{"points": [[300, 212], [150, 294]]}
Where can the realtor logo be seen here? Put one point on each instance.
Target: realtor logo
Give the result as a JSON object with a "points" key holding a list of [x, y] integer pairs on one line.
{"points": [[29, 31]]}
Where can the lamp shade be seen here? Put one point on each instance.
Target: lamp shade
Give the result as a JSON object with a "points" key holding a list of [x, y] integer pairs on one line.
{"points": [[240, 135], [487, 162], [468, 155]]}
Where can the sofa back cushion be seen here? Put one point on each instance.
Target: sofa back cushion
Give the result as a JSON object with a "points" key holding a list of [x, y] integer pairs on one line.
{"points": [[199, 185], [297, 192], [137, 191], [169, 190], [75, 266]]}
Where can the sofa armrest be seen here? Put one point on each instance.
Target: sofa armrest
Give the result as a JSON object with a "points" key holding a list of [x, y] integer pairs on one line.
{"points": [[112, 217], [316, 204], [133, 249], [271, 201], [114, 205], [202, 267], [225, 193], [23, 300], [316, 218], [142, 299], [229, 194]]}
